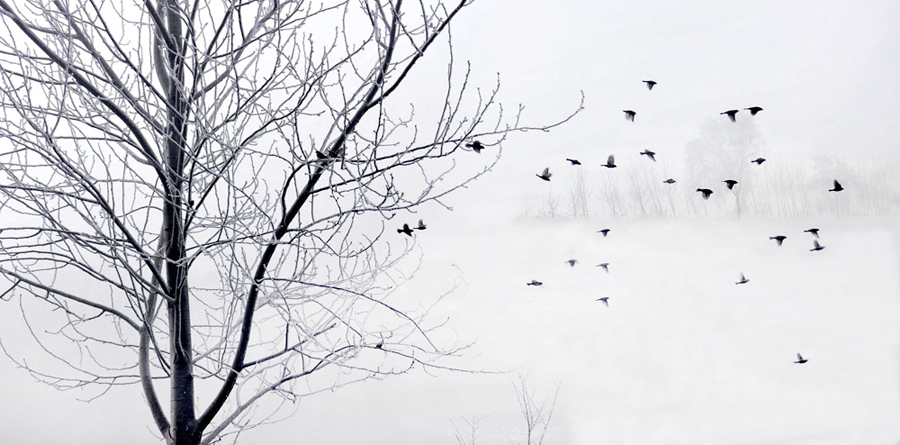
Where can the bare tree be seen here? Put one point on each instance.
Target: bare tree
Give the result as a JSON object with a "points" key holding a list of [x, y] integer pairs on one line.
{"points": [[537, 415], [207, 189]]}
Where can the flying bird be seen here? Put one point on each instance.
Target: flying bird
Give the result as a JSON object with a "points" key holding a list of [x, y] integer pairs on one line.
{"points": [[669, 181], [605, 300], [816, 246], [610, 162], [778, 239], [605, 266], [814, 231], [650, 84], [730, 183], [603, 231], [545, 175], [629, 115], [800, 359], [731, 114], [759, 161], [574, 161], [405, 230], [649, 154], [534, 283], [743, 280], [572, 262], [706, 193], [421, 225], [476, 146], [837, 187], [754, 110]]}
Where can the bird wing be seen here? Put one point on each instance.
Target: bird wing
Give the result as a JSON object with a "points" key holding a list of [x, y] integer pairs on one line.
{"points": [[612, 160], [837, 184], [546, 172], [799, 357]]}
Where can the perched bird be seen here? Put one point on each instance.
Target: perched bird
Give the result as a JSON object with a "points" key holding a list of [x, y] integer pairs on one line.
{"points": [[754, 110], [321, 155], [800, 359], [545, 175], [759, 161], [743, 280], [816, 246], [572, 262], [730, 183], [603, 231], [669, 181], [778, 239], [649, 154], [629, 115], [574, 161], [837, 187], [476, 146], [405, 230], [605, 300], [605, 266], [380, 345], [650, 84], [534, 283], [706, 193], [731, 114], [421, 225], [610, 162], [814, 231]]}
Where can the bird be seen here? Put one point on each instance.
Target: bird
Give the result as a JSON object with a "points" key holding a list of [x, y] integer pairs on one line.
{"points": [[731, 114], [379, 345], [754, 110], [405, 230], [800, 359], [605, 300], [649, 154], [574, 161], [730, 183], [534, 283], [816, 246], [814, 231], [669, 181], [629, 115], [837, 187], [321, 155], [650, 84], [421, 225], [572, 262], [706, 193], [603, 231], [610, 162], [743, 280], [605, 266], [545, 175], [759, 161], [476, 146], [778, 239]]}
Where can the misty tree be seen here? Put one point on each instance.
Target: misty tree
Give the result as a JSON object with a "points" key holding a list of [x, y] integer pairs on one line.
{"points": [[201, 197]]}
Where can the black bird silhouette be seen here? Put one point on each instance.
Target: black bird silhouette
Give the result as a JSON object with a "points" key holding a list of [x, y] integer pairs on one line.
{"points": [[603, 231], [816, 246], [321, 155], [837, 187], [730, 183], [650, 84], [629, 115], [545, 175], [476, 146], [649, 154], [706, 193], [754, 110], [800, 359], [669, 181], [605, 300], [574, 161], [421, 225], [534, 283], [759, 161], [814, 231], [610, 162], [405, 230], [572, 262], [731, 114], [605, 266], [743, 280], [380, 345], [778, 239]]}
